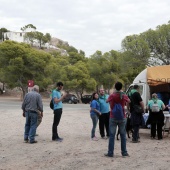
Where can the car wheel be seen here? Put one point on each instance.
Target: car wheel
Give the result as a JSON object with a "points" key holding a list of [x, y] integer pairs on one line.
{"points": [[70, 102]]}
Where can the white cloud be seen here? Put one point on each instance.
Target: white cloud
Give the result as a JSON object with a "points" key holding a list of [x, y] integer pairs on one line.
{"points": [[87, 25]]}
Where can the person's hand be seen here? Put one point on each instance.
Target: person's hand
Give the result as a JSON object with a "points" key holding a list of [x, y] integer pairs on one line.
{"points": [[41, 114], [64, 95], [23, 114], [128, 112]]}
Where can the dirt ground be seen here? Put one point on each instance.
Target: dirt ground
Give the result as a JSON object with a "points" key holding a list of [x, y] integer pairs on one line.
{"points": [[77, 151]]}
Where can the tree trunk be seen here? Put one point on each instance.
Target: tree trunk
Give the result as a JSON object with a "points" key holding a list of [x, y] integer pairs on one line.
{"points": [[78, 95], [24, 91]]}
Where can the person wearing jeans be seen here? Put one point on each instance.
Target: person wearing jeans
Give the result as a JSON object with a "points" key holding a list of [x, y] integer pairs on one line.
{"points": [[30, 106], [94, 114], [30, 125], [94, 121], [117, 119], [113, 123]]}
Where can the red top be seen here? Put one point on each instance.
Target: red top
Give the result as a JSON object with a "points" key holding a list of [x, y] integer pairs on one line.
{"points": [[115, 98], [30, 83]]}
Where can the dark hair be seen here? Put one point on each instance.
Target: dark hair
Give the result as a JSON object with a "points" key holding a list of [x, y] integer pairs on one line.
{"points": [[92, 97], [135, 86], [118, 86], [59, 84]]}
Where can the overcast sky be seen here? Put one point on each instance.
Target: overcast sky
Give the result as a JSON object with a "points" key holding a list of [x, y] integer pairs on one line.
{"points": [[89, 25]]}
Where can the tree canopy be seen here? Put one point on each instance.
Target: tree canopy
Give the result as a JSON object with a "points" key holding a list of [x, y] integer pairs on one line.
{"points": [[19, 62]]}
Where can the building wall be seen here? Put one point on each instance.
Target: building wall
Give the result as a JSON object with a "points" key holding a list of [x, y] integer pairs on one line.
{"points": [[17, 36], [14, 36]]}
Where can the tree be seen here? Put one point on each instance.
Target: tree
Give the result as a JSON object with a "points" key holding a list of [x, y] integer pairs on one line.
{"points": [[76, 78], [46, 38], [137, 48], [2, 30], [28, 26], [30, 37], [104, 68], [159, 43], [20, 63], [151, 47]]}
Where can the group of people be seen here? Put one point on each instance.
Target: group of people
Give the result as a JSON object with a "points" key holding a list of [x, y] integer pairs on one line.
{"points": [[135, 107], [100, 110], [108, 109], [117, 97]]}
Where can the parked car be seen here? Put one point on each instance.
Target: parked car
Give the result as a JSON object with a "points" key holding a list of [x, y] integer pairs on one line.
{"points": [[86, 99], [70, 98]]}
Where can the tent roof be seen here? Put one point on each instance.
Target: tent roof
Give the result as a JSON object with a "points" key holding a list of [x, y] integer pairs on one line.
{"points": [[158, 75]]}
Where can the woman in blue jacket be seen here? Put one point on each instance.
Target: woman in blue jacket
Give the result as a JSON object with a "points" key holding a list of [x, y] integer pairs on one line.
{"points": [[94, 114]]}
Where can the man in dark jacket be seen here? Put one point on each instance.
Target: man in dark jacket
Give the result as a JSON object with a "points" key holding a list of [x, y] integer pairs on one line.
{"points": [[30, 106], [136, 119]]}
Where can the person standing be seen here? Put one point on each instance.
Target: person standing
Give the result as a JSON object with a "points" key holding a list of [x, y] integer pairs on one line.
{"points": [[118, 98], [105, 111], [136, 118], [30, 106], [57, 98], [94, 114], [156, 108]]}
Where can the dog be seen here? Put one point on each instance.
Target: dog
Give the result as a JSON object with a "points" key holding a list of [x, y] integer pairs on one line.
{"points": [[128, 127]]}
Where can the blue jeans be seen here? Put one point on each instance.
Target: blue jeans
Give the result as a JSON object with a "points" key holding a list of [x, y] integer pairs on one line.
{"points": [[30, 126], [94, 121], [113, 123]]}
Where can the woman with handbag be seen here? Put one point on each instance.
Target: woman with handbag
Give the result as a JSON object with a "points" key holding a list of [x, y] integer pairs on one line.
{"points": [[156, 115]]}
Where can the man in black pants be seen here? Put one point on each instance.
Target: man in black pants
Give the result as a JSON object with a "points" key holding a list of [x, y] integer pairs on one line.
{"points": [[105, 114], [136, 119], [58, 105]]}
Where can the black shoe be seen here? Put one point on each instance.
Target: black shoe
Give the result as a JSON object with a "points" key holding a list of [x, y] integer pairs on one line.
{"points": [[160, 138], [33, 142], [26, 140], [135, 141], [125, 155], [58, 139], [107, 155]]}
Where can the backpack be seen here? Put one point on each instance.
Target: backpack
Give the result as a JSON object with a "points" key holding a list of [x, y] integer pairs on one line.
{"points": [[155, 107], [51, 104], [117, 111]]}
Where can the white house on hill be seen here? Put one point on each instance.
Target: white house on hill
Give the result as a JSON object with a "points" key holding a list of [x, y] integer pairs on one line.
{"points": [[17, 36]]}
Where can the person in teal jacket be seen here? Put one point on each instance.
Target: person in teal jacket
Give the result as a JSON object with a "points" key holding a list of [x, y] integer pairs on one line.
{"points": [[156, 116], [105, 114]]}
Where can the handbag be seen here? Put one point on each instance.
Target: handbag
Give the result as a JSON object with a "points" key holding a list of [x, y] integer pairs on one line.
{"points": [[138, 109]]}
